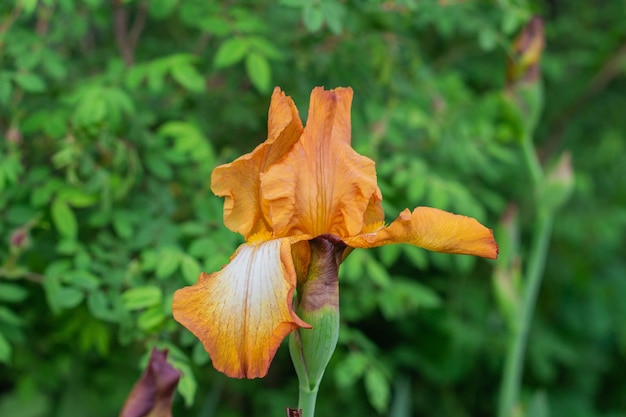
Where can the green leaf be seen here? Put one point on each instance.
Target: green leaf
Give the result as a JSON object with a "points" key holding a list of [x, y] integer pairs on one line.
{"points": [[389, 254], [58, 268], [264, 47], [28, 6], [9, 317], [5, 349], [100, 307], [168, 262], [313, 17], [60, 297], [142, 297], [199, 355], [151, 318], [91, 106], [158, 166], [188, 77], [29, 82], [135, 76], [82, 279], [68, 297], [94, 335], [190, 268], [155, 74], [376, 272], [77, 198], [12, 293], [294, 3], [404, 296], [230, 52], [416, 255], [487, 39], [123, 225], [5, 88], [64, 219], [333, 12], [350, 370], [201, 246], [67, 246], [160, 9], [259, 71], [188, 138], [377, 388], [149, 260], [54, 64], [187, 386], [215, 25]]}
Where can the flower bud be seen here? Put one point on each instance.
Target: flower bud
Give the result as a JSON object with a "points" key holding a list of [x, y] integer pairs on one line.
{"points": [[524, 93], [152, 394], [559, 184], [317, 304], [19, 239], [523, 65]]}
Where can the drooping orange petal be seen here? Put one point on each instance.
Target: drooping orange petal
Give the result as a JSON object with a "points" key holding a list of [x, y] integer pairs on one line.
{"points": [[238, 181], [243, 312], [322, 185], [433, 229]]}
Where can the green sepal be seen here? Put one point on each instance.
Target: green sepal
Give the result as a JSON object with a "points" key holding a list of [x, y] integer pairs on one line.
{"points": [[311, 349]]}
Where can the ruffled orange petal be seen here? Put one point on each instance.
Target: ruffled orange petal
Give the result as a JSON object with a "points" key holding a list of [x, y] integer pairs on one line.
{"points": [[243, 312], [433, 229], [238, 181], [322, 185]]}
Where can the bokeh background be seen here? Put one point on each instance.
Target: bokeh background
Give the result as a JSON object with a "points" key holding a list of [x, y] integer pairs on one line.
{"points": [[113, 114]]}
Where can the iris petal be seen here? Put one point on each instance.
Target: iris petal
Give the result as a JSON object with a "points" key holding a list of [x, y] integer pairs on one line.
{"points": [[242, 313], [322, 185], [244, 210], [433, 229]]}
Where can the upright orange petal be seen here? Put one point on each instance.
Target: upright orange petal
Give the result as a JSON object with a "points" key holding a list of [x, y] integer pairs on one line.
{"points": [[433, 229], [243, 312], [374, 216], [322, 185], [238, 181]]}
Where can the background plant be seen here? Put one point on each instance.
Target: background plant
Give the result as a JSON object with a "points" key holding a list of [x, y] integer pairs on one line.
{"points": [[114, 113]]}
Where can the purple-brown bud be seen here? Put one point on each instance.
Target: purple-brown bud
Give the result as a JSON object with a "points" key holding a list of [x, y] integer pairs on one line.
{"points": [[152, 394], [523, 65]]}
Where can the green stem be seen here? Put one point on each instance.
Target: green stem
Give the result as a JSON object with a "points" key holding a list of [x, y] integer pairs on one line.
{"points": [[511, 381], [532, 162], [512, 374], [306, 400]]}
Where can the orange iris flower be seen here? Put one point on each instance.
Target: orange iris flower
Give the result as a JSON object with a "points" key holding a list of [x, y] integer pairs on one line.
{"points": [[302, 182]]}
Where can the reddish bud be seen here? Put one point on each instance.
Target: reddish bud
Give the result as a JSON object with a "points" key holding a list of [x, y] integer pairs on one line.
{"points": [[152, 394], [523, 65]]}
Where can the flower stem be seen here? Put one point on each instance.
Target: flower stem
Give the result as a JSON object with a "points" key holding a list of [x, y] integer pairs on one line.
{"points": [[512, 375], [306, 400], [511, 381], [532, 162]]}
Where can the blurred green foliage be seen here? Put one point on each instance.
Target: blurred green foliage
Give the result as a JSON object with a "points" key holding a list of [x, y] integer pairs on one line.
{"points": [[114, 113]]}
